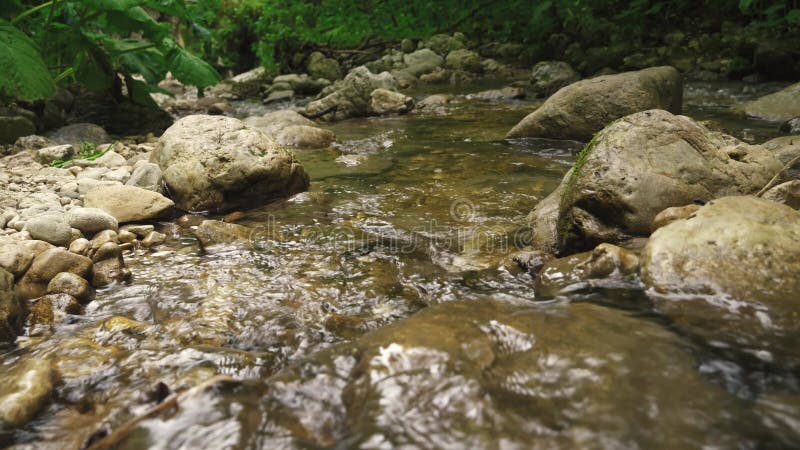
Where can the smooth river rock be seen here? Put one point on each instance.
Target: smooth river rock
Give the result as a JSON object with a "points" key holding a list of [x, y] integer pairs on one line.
{"points": [[91, 220], [128, 203], [779, 106], [583, 108], [216, 163], [731, 273]]}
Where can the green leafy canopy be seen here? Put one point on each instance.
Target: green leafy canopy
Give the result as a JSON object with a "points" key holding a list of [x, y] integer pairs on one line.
{"points": [[96, 43]]}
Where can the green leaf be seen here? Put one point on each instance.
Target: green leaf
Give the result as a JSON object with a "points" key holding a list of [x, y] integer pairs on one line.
{"points": [[136, 19], [148, 62], [139, 92], [105, 5], [744, 5], [23, 73], [91, 74], [190, 69], [793, 16]]}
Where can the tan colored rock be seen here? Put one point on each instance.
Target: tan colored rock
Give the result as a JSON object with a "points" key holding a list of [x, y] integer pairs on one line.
{"points": [[583, 108], [128, 203]]}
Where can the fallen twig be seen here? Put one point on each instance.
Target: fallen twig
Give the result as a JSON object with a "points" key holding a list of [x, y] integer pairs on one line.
{"points": [[116, 436], [774, 179]]}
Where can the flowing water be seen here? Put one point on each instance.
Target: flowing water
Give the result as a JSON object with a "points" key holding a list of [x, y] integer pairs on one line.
{"points": [[374, 311]]}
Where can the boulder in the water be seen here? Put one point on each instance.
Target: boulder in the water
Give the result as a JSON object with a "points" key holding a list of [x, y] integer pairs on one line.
{"points": [[216, 163], [636, 168], [731, 273], [352, 96], [583, 108]]}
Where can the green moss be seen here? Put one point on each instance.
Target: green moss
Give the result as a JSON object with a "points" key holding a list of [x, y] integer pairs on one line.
{"points": [[568, 195]]}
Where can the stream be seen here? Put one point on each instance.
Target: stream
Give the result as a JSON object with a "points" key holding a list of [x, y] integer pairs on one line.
{"points": [[376, 311]]}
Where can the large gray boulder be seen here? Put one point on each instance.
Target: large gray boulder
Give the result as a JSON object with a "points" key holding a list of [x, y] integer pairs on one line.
{"points": [[216, 163], [351, 97], [15, 127], [79, 133], [547, 77], [421, 62], [731, 273], [275, 121], [779, 106], [320, 66], [639, 166], [583, 108]]}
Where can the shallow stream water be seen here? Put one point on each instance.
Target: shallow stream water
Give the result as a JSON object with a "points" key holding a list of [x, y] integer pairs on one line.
{"points": [[374, 311]]}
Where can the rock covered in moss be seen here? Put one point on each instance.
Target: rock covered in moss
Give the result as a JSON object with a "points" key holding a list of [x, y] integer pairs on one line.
{"points": [[351, 96], [636, 168]]}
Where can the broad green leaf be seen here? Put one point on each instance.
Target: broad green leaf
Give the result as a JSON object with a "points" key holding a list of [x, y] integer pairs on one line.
{"points": [[148, 62], [139, 92], [105, 5], [134, 20], [190, 69], [23, 73], [793, 16], [91, 74]]}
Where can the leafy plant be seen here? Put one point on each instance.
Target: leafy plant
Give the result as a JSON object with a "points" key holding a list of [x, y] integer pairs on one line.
{"points": [[118, 46], [87, 151]]}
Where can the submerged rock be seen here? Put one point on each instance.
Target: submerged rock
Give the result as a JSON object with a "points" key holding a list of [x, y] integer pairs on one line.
{"points": [[636, 168], [605, 266], [779, 106], [547, 77], [352, 96], [585, 107], [24, 390], [470, 374], [212, 232], [731, 273], [791, 126], [215, 163]]}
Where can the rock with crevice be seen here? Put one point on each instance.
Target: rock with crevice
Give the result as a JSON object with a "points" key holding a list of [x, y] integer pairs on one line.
{"points": [[636, 168], [352, 96]]}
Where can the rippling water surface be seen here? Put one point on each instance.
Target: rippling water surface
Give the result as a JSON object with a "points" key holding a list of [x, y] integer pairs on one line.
{"points": [[373, 311]]}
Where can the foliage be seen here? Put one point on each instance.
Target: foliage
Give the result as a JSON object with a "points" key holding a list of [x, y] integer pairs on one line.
{"points": [[97, 43], [274, 30], [23, 73], [87, 150]]}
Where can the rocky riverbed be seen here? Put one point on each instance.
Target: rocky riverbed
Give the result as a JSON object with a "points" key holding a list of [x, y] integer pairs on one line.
{"points": [[613, 266]]}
